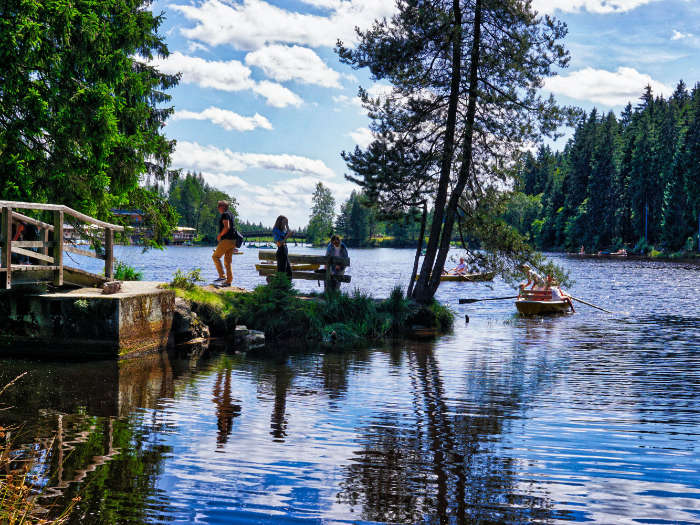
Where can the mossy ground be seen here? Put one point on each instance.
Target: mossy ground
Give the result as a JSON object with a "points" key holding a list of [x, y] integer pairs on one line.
{"points": [[345, 319]]}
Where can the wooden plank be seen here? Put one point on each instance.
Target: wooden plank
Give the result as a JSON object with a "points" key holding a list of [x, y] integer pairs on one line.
{"points": [[78, 251], [45, 240], [29, 220], [82, 278], [96, 222], [60, 207], [32, 267], [33, 255], [308, 276], [109, 253], [30, 244], [304, 259], [6, 252], [58, 247]]}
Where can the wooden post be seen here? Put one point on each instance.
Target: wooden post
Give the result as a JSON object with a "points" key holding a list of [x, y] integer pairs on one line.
{"points": [[327, 279], [109, 253], [6, 252], [45, 239], [58, 247]]}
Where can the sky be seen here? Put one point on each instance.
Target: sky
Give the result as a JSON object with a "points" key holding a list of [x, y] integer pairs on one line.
{"points": [[264, 107]]}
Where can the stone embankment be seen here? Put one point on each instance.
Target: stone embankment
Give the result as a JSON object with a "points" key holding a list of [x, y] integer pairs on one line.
{"points": [[189, 328]]}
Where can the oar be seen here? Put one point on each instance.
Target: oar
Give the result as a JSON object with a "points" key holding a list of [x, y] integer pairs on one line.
{"points": [[467, 301], [591, 305]]}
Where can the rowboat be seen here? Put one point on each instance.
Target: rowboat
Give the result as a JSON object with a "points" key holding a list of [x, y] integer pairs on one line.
{"points": [[540, 302], [467, 278], [295, 267]]}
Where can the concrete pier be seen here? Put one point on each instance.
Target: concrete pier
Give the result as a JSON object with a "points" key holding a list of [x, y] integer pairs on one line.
{"points": [[84, 323]]}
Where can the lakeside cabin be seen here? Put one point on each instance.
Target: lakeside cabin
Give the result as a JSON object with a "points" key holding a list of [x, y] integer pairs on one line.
{"points": [[183, 235]]}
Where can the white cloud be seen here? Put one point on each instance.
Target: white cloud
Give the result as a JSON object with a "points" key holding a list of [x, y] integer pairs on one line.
{"points": [[225, 118], [362, 136], [193, 156], [229, 75], [677, 35], [277, 95], [283, 63], [610, 88], [263, 202], [592, 6], [252, 24]]}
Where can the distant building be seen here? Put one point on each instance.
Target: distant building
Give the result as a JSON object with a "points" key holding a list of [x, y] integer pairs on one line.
{"points": [[183, 234]]}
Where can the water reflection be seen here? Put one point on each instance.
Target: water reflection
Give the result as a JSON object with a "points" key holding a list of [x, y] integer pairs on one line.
{"points": [[509, 420]]}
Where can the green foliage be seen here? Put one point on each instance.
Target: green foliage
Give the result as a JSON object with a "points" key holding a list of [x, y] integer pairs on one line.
{"points": [[124, 272], [81, 109], [465, 97], [188, 280], [340, 318], [621, 178], [322, 212], [196, 203]]}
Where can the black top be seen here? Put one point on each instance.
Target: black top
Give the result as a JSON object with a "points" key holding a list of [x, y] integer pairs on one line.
{"points": [[227, 216]]}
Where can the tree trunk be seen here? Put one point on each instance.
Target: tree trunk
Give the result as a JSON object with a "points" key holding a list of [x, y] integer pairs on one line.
{"points": [[419, 248], [421, 292], [465, 168]]}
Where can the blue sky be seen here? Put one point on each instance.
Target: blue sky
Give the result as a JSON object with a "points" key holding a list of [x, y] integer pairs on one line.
{"points": [[264, 107]]}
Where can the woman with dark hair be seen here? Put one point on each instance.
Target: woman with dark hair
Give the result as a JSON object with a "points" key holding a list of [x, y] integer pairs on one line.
{"points": [[280, 234]]}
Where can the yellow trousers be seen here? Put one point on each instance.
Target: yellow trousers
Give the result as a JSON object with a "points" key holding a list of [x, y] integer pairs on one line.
{"points": [[225, 248]]}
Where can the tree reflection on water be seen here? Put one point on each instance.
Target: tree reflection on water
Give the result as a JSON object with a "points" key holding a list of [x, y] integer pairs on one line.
{"points": [[445, 468]]}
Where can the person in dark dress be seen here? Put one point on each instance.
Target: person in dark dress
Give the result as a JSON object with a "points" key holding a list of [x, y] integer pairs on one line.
{"points": [[280, 234], [227, 244]]}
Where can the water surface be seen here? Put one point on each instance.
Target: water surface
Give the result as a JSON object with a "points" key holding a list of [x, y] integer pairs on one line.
{"points": [[585, 417]]}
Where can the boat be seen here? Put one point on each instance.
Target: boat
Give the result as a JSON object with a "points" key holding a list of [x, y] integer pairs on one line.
{"points": [[467, 278], [540, 302], [295, 267]]}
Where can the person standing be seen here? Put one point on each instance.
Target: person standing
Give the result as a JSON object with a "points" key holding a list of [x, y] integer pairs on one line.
{"points": [[226, 245], [280, 234]]}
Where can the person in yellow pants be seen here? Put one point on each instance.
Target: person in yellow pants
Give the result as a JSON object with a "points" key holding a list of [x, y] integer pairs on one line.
{"points": [[227, 245]]}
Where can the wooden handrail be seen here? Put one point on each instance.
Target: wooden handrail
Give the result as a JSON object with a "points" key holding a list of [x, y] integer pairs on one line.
{"points": [[60, 207]]}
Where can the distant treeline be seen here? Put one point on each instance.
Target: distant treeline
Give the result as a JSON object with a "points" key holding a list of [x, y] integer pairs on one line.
{"points": [[629, 181]]}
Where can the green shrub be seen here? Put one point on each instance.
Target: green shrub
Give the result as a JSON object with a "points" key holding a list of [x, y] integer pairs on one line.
{"points": [[124, 272], [186, 281]]}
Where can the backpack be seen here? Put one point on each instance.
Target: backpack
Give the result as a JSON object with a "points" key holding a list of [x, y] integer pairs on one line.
{"points": [[238, 238]]}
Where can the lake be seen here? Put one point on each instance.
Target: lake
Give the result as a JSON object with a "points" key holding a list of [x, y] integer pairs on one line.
{"points": [[585, 417]]}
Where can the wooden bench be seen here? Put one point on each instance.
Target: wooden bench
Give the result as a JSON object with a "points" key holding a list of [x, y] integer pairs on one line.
{"points": [[324, 275], [537, 295]]}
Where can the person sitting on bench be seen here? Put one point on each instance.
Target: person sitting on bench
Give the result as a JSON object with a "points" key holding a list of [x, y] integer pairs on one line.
{"points": [[336, 248]]}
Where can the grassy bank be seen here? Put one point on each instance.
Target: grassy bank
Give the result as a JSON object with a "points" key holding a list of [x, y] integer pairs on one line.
{"points": [[346, 319]]}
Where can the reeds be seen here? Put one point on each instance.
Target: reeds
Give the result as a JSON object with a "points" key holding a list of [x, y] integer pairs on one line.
{"points": [[18, 493]]}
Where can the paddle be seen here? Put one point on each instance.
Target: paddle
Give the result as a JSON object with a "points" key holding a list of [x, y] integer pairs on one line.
{"points": [[591, 305], [467, 301]]}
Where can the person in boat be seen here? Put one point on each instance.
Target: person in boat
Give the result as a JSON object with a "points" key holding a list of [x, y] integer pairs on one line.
{"points": [[534, 279], [621, 251], [337, 248], [582, 251], [280, 234], [460, 269], [557, 293]]}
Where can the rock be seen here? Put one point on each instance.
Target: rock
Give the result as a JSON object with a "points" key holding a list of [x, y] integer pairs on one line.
{"points": [[186, 324], [111, 287], [244, 339], [255, 339]]}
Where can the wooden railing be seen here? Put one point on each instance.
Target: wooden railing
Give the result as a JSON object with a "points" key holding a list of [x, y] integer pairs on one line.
{"points": [[49, 249]]}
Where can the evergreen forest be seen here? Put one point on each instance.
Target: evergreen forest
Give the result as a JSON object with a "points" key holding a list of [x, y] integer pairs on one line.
{"points": [[629, 181]]}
